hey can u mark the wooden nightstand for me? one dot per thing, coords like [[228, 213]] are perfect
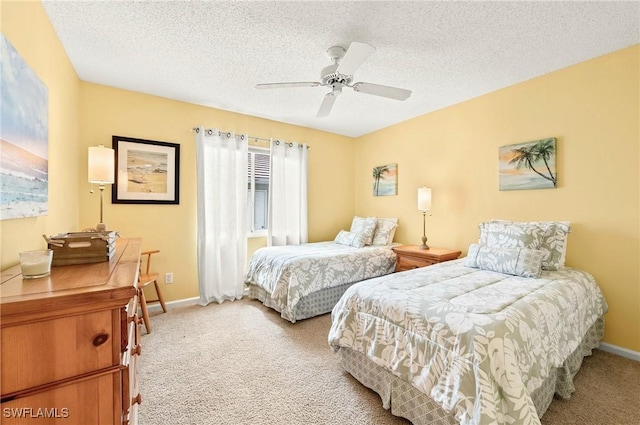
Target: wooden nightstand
[[412, 257]]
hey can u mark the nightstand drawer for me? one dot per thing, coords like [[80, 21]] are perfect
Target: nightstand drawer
[[412, 257], [408, 263]]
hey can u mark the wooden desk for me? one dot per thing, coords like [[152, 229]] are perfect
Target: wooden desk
[[70, 343], [412, 257]]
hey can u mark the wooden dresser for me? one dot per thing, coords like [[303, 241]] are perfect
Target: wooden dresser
[[412, 257], [70, 343]]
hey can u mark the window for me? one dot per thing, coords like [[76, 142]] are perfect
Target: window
[[258, 191]]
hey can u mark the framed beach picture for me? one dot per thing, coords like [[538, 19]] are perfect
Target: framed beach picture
[[530, 165], [24, 138], [147, 172], [385, 180]]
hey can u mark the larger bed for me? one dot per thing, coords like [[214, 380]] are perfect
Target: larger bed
[[458, 342]]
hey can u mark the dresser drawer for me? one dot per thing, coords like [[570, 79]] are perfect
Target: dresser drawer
[[44, 352], [68, 404]]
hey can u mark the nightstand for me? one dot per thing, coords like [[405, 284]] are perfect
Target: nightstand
[[412, 257]]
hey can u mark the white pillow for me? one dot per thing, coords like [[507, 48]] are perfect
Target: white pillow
[[366, 226], [350, 238], [385, 231]]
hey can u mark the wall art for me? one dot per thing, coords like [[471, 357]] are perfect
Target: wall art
[[530, 165]]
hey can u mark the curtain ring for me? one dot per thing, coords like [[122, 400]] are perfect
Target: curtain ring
[[277, 142], [242, 137], [197, 129], [209, 132], [228, 135], [290, 144]]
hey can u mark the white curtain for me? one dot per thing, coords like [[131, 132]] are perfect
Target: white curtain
[[221, 167], [287, 194]]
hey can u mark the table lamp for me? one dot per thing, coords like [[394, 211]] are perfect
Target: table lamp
[[101, 171], [424, 205]]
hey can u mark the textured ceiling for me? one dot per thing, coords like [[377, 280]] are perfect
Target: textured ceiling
[[214, 53]]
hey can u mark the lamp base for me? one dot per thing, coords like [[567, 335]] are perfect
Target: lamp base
[[424, 243]]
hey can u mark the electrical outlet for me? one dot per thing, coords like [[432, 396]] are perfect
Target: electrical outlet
[[168, 278]]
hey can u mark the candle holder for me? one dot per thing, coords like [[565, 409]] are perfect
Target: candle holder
[[35, 264]]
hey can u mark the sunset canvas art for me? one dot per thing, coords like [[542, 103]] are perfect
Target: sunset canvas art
[[385, 180], [530, 165]]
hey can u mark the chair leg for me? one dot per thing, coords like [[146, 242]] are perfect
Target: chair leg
[[145, 312], [160, 298]]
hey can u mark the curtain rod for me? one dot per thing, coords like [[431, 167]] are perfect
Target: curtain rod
[[210, 132]]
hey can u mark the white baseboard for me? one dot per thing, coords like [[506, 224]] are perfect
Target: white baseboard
[[173, 304], [621, 351]]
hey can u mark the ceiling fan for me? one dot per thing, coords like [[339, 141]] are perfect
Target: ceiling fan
[[340, 74]]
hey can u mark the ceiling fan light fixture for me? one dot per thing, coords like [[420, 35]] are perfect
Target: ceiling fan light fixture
[[335, 53], [340, 74]]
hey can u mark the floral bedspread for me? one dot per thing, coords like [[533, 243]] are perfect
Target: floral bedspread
[[290, 272], [477, 342]]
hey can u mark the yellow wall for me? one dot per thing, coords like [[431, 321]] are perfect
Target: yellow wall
[[592, 109], [27, 27], [172, 229]]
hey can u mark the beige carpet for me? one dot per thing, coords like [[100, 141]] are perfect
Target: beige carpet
[[240, 363]]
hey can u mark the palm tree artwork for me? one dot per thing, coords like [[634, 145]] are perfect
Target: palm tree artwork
[[385, 180], [530, 165]]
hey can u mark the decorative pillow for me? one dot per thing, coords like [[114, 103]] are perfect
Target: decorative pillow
[[385, 231], [523, 262], [500, 234], [553, 241], [350, 238], [367, 226]]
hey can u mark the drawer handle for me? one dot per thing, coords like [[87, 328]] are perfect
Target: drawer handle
[[137, 399], [100, 339], [137, 350]]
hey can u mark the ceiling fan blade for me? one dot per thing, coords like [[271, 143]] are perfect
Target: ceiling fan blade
[[354, 57], [327, 104], [384, 91], [288, 85]]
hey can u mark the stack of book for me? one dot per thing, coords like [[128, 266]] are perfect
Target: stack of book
[[82, 247]]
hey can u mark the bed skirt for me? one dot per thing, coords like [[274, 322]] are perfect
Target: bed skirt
[[406, 401], [314, 304]]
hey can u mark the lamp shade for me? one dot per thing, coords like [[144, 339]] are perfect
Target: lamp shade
[[424, 199], [101, 165]]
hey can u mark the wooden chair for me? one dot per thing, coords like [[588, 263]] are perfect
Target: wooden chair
[[145, 279]]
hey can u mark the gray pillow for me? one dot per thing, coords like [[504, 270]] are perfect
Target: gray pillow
[[523, 262], [385, 230], [350, 238], [547, 236], [366, 226]]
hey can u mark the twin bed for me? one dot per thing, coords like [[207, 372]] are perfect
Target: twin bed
[[487, 339], [302, 281]]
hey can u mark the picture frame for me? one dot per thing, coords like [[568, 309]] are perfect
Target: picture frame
[[146, 171], [529, 165], [385, 180]]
